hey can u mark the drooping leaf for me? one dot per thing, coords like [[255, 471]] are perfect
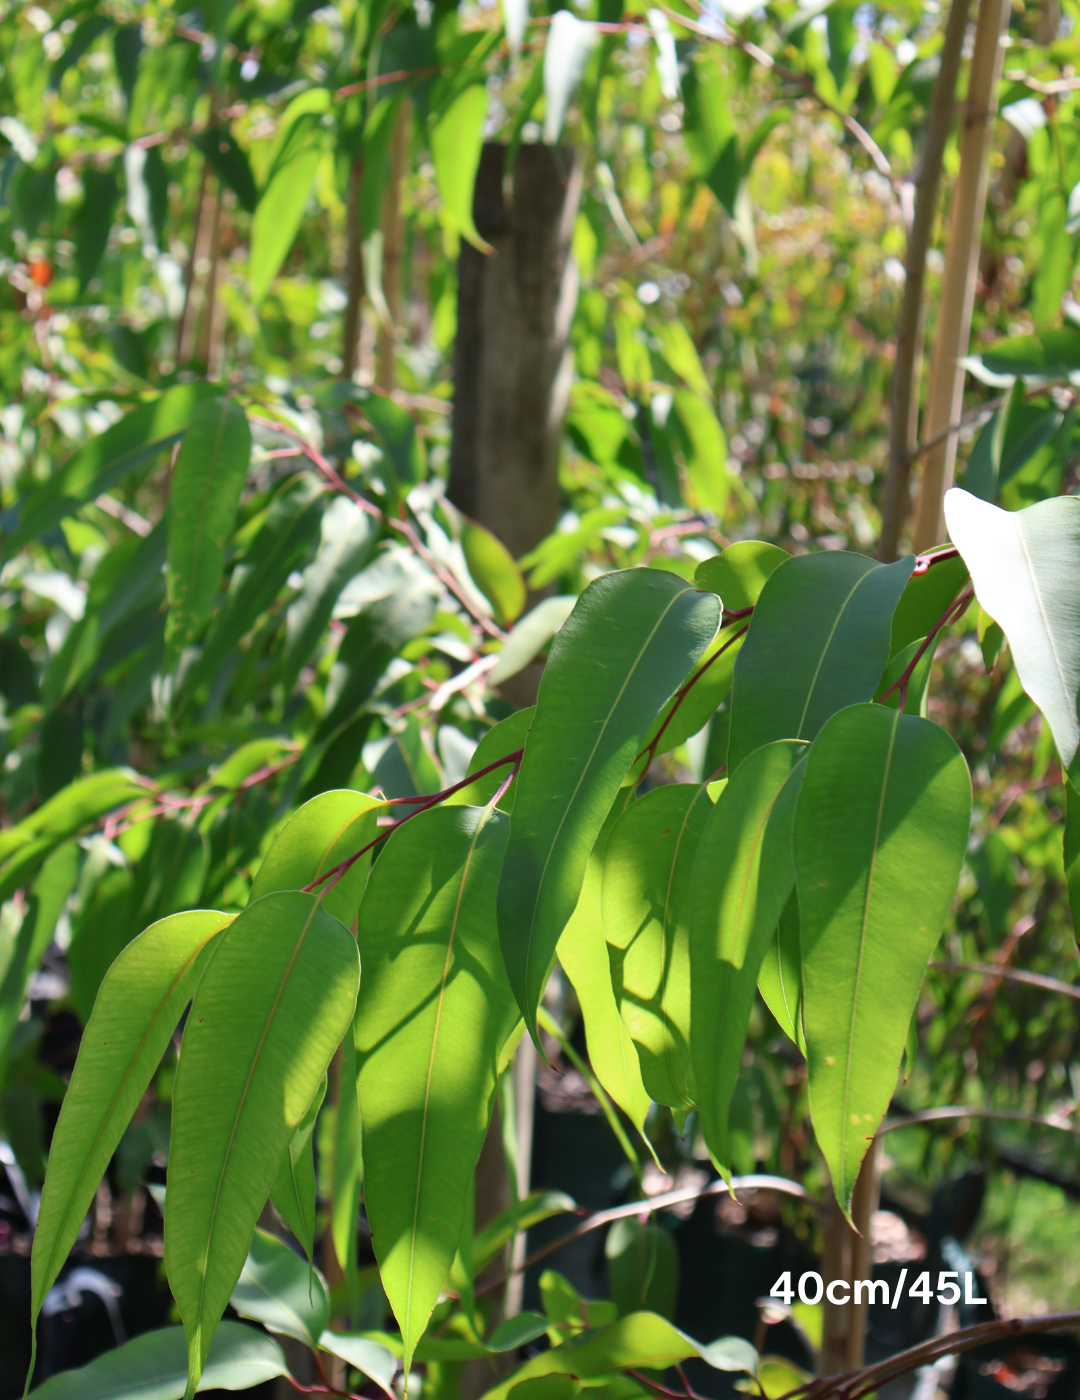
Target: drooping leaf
[[583, 954], [294, 1190], [105, 460], [646, 907], [1024, 566], [818, 640], [494, 571], [302, 139], [456, 142], [881, 827], [433, 1015], [140, 1001], [229, 164], [632, 637], [643, 1267], [209, 475], [367, 1355], [709, 479], [566, 52], [348, 537], [268, 1013], [153, 1366], [282, 1291], [780, 977], [742, 877]]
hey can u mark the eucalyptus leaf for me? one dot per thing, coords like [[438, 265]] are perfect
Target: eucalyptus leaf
[[886, 797], [294, 1193], [267, 1015], [282, 1291], [632, 638]]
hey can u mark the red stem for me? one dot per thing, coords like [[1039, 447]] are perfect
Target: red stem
[[335, 872], [951, 613], [681, 694], [924, 561]]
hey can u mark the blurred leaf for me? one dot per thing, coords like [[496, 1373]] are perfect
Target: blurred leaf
[[302, 139], [710, 481], [494, 572], [643, 1267], [529, 636], [1053, 352], [456, 142], [93, 220], [47, 896], [229, 164], [209, 475], [570, 41]]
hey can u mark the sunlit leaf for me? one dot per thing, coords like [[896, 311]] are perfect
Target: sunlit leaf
[[456, 143]]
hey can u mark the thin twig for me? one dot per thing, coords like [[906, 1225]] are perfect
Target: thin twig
[[684, 691], [951, 613], [1010, 974], [1003, 1115]]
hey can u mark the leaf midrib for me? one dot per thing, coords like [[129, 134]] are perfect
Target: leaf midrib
[[846, 1098], [316, 905], [1042, 616], [530, 940]]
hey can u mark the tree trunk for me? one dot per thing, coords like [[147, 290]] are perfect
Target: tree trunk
[[512, 360], [961, 268]]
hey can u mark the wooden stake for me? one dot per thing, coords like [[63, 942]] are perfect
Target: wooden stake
[[904, 422], [354, 274], [961, 268], [393, 231]]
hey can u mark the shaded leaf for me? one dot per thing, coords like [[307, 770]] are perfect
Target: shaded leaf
[[282, 1291], [780, 977], [47, 897], [153, 1366], [209, 475], [294, 1190], [504, 738]]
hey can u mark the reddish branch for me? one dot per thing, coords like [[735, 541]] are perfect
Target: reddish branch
[[955, 609], [423, 804], [684, 691]]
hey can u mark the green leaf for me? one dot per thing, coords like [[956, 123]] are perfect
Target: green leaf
[[102, 463], [279, 548], [456, 142], [517, 1332], [302, 139], [541, 1205], [82, 801], [494, 571], [642, 1340], [348, 537], [818, 640], [271, 1008], [153, 1366], [643, 1267], [139, 1004], [529, 636], [646, 916], [93, 221], [47, 896], [1024, 566], [504, 738], [680, 352], [433, 1015], [1072, 854], [282, 1291], [294, 1190], [780, 978], [347, 1166], [396, 431], [742, 877], [631, 639], [207, 481], [918, 684], [229, 164], [1053, 353], [881, 827], [710, 480], [740, 572], [924, 599], [373, 1360], [583, 955]]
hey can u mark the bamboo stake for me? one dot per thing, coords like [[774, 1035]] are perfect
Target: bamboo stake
[[904, 423], [206, 341], [961, 267]]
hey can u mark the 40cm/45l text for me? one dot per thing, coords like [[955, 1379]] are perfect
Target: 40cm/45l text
[[812, 1288]]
